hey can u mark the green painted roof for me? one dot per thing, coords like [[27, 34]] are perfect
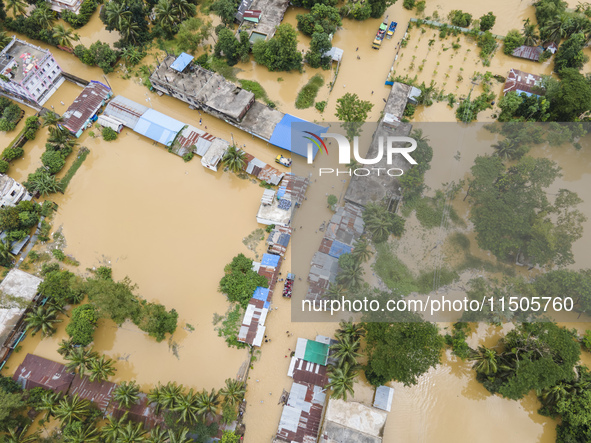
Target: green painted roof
[[316, 352]]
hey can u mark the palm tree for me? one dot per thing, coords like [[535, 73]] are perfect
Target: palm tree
[[129, 30], [57, 136], [354, 330], [505, 149], [110, 432], [346, 350], [64, 36], [555, 29], [234, 159], [179, 437], [155, 396], [42, 319], [115, 14], [336, 292], [79, 360], [341, 381], [131, 433], [157, 435], [170, 394], [351, 276], [378, 225], [185, 9], [16, 436], [530, 36], [72, 409], [6, 255], [361, 251], [233, 392], [485, 361], [49, 402], [80, 434], [100, 369], [167, 15], [208, 403], [65, 348], [43, 183], [551, 396], [131, 55], [417, 134], [18, 7], [127, 394], [51, 118], [4, 40], [43, 16], [187, 406]]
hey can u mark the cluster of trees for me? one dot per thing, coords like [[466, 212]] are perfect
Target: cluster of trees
[[85, 361], [13, 402], [412, 181], [38, 25], [170, 13], [76, 21], [10, 114], [15, 150], [192, 32], [240, 281], [280, 53], [319, 23], [99, 54], [226, 10], [460, 18], [513, 216], [129, 17], [16, 222], [353, 112], [343, 374], [359, 10], [233, 49], [555, 22], [380, 223]]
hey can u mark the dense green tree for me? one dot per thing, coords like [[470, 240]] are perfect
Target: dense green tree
[[227, 45], [524, 108], [114, 300], [192, 33], [327, 17], [460, 18], [280, 53], [100, 369], [570, 53], [561, 283], [487, 21], [319, 45], [154, 319], [61, 287], [353, 112], [570, 97], [512, 41], [233, 393], [11, 404], [83, 324], [378, 7], [240, 281], [225, 9], [401, 351]]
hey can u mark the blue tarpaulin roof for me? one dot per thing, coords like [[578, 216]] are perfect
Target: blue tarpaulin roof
[[337, 249], [158, 127], [281, 192], [289, 135], [261, 293], [181, 62], [270, 260]]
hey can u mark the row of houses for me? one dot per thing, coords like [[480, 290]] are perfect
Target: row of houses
[[206, 90], [38, 372]]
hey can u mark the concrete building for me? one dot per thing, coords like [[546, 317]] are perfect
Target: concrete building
[[352, 422], [28, 73], [12, 192], [83, 111], [271, 16], [277, 209], [17, 290], [201, 89], [523, 82], [65, 5]]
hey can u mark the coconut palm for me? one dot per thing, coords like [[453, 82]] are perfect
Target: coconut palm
[[335, 292], [552, 395], [57, 136], [486, 361], [187, 406], [167, 16], [131, 55], [378, 225], [110, 432], [132, 433], [66, 347], [208, 403], [129, 30], [185, 9], [6, 255], [361, 251], [354, 330], [43, 16], [49, 403], [42, 318], [157, 435], [346, 350], [127, 394], [556, 28], [100, 369], [4, 40], [351, 276], [234, 159], [19, 436], [115, 14], [341, 381], [179, 437], [79, 360], [72, 409], [170, 394], [530, 36], [18, 7], [233, 392], [43, 183], [506, 149], [51, 118], [155, 396], [83, 434], [64, 36]]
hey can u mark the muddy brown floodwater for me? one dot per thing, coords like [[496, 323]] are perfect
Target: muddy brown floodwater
[[172, 226]]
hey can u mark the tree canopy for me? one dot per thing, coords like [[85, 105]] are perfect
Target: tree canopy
[[240, 281], [280, 53]]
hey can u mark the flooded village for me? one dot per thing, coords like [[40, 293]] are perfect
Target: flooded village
[[188, 349]]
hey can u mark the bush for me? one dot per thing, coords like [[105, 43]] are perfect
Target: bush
[[78, 20], [408, 4], [83, 324], [46, 268], [109, 134], [155, 320], [240, 281], [188, 156], [59, 254], [487, 21], [53, 161], [487, 44], [3, 166], [308, 93], [10, 154], [320, 105], [460, 18], [513, 40]]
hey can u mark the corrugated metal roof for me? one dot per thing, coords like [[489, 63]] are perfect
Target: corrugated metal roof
[[158, 127], [181, 62], [38, 372], [289, 135], [383, 398], [99, 393], [337, 249], [529, 52], [125, 110], [87, 104]]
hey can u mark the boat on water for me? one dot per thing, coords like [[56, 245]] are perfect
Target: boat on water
[[288, 285], [391, 30], [377, 42]]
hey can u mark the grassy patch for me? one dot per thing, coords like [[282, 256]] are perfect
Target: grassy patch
[[308, 93], [393, 272], [228, 326], [256, 88], [65, 181], [426, 280], [430, 211], [459, 241], [220, 66]]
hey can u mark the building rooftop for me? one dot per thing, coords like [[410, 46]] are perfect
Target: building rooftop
[[18, 58], [158, 127], [85, 106], [38, 372], [383, 398], [301, 416], [99, 393], [528, 52], [352, 422], [525, 82], [397, 100], [125, 110], [215, 153], [22, 287], [312, 351], [271, 15]]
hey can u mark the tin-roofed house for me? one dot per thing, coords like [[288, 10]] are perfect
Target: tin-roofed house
[[83, 111], [523, 83], [302, 414], [99, 393], [38, 372], [143, 412], [20, 290], [352, 422]]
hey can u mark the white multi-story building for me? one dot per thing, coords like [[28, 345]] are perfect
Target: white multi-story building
[[29, 73], [12, 192], [62, 5]]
